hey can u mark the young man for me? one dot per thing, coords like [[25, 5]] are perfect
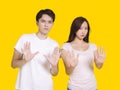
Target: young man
[[37, 55]]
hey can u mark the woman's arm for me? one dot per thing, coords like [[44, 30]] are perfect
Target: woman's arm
[[70, 61], [99, 55]]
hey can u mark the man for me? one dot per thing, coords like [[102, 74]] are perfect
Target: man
[[37, 55]]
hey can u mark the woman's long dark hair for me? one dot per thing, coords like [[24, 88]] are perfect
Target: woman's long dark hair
[[76, 24]]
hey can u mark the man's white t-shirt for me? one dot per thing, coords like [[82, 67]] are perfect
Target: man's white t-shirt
[[35, 74]]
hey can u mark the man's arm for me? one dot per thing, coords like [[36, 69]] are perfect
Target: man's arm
[[17, 60], [54, 69]]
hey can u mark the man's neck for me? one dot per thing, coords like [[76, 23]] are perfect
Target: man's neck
[[41, 36]]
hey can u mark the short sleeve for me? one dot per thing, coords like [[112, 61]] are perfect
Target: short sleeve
[[53, 46], [19, 44], [56, 45], [93, 47], [66, 46]]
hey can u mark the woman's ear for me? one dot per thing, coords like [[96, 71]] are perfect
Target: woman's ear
[[37, 23]]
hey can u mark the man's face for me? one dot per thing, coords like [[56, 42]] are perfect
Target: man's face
[[45, 24]]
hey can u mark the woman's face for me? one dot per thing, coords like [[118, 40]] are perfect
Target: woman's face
[[82, 32]]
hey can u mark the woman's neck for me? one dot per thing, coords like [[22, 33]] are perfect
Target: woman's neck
[[80, 45], [78, 41]]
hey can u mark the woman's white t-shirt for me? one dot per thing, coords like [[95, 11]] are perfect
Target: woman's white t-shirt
[[82, 77], [35, 75]]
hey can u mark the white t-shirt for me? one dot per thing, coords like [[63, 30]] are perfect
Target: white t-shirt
[[82, 77], [35, 75]]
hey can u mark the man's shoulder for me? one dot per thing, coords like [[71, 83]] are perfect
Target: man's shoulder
[[27, 35], [52, 41]]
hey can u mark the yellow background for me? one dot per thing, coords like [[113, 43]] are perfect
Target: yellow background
[[18, 17]]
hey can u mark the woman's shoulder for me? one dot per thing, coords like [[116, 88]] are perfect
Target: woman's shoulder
[[93, 46], [66, 45]]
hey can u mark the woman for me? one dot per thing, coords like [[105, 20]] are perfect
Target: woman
[[78, 56]]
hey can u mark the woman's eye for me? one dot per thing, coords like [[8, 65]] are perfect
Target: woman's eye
[[42, 20]]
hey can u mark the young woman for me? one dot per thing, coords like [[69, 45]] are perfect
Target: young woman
[[79, 55]]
